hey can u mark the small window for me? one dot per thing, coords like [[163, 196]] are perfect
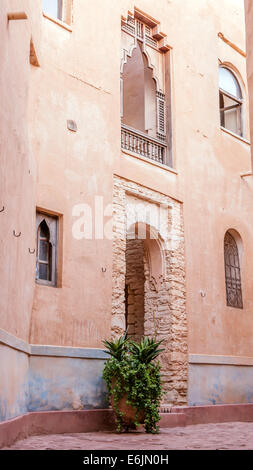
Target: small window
[[230, 101], [232, 272], [46, 256], [53, 8]]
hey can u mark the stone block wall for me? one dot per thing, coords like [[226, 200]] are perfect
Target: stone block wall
[[155, 280], [135, 288]]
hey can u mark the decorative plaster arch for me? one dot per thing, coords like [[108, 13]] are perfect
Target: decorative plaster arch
[[128, 54], [237, 74], [153, 68]]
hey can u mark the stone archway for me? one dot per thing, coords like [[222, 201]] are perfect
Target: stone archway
[[152, 267]]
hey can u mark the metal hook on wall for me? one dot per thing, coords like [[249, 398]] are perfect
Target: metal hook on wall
[[15, 235], [31, 251], [2, 209], [103, 270]]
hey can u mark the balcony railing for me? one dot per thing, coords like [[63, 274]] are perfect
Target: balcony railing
[[142, 144]]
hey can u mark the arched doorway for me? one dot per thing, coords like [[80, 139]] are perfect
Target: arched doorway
[[144, 282], [149, 278]]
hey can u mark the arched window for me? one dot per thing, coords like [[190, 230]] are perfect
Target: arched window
[[232, 272], [44, 252], [139, 94], [230, 101], [46, 249], [145, 111]]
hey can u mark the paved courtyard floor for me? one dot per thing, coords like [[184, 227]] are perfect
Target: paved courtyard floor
[[202, 436]]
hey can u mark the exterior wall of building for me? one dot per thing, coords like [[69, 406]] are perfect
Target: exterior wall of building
[[225, 380], [75, 168], [73, 174], [249, 42], [14, 382], [164, 301], [42, 378], [67, 383], [17, 175]]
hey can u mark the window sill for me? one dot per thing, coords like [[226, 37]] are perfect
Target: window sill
[[235, 135], [58, 22], [45, 283], [152, 162]]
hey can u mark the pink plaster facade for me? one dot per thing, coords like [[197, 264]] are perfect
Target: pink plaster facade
[[76, 76], [249, 40]]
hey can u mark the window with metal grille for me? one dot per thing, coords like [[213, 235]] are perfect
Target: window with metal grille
[[230, 101], [232, 272], [46, 249]]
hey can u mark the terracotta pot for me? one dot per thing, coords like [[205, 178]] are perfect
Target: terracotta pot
[[129, 412]]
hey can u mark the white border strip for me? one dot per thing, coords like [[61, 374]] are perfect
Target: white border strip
[[14, 342], [54, 351], [220, 360]]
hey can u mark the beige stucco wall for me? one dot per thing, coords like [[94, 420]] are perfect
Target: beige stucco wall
[[17, 173], [79, 79], [249, 42], [209, 163]]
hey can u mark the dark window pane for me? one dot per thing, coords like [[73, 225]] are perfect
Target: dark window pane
[[44, 245], [44, 230], [43, 272]]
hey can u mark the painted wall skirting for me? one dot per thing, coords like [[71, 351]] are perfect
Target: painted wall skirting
[[45, 378], [48, 377], [48, 350], [222, 360]]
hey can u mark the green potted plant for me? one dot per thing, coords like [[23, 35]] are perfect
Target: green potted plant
[[133, 380]]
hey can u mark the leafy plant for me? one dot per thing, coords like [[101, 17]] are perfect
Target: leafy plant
[[146, 351], [132, 373], [117, 348]]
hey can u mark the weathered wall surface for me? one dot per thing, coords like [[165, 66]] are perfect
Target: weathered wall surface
[[212, 384], [14, 386], [249, 49], [62, 383], [47, 378], [17, 170], [209, 162], [44, 164], [78, 82], [160, 302]]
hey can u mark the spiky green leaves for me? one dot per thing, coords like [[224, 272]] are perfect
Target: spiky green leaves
[[117, 348], [146, 351]]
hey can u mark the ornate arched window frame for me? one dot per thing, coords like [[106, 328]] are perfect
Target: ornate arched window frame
[[140, 29], [50, 243], [232, 261]]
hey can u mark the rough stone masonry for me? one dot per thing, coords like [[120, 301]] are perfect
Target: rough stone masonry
[[147, 297]]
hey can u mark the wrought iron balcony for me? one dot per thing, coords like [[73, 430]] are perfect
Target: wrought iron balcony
[[142, 144]]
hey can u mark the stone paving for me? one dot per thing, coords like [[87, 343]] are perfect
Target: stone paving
[[202, 436]]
